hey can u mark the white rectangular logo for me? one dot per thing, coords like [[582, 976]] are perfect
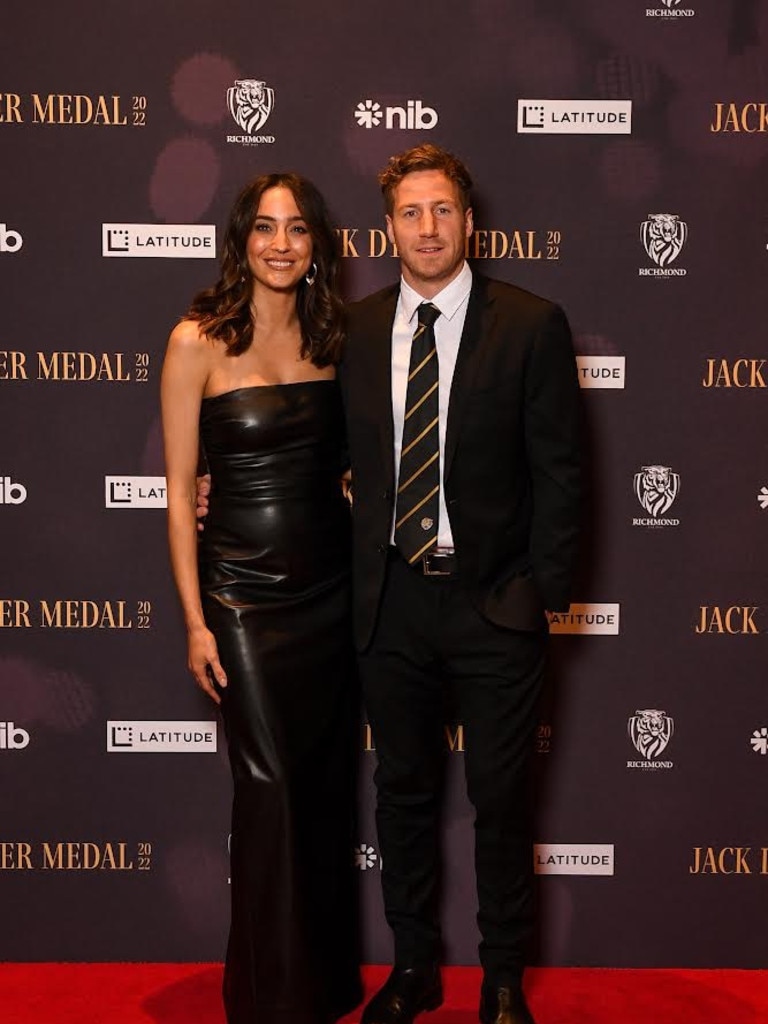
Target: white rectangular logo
[[597, 619], [601, 371], [574, 117], [135, 492], [161, 737], [572, 859], [172, 241]]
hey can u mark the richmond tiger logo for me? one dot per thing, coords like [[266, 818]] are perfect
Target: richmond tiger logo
[[656, 488], [663, 236], [250, 103], [650, 731]]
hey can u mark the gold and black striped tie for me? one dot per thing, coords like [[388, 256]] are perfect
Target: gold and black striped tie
[[418, 490]]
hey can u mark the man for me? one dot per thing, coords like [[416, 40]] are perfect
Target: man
[[462, 401]]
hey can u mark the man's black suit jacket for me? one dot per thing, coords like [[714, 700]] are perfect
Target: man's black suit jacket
[[512, 453]]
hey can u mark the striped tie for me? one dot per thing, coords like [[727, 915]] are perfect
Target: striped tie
[[418, 488]]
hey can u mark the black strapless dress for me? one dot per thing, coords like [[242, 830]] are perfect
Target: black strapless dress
[[275, 581]]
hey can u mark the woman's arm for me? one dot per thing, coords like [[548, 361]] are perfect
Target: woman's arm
[[185, 372]]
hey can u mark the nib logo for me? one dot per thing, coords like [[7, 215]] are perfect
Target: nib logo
[[365, 857], [759, 741], [370, 114], [762, 497]]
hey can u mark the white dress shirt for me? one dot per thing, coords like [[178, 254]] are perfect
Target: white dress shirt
[[452, 302]]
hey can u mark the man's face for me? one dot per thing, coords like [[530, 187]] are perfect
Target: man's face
[[430, 229]]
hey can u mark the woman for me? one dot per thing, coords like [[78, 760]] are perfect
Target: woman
[[250, 374]]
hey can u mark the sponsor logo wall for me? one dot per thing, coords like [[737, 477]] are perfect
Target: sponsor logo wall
[[612, 176]]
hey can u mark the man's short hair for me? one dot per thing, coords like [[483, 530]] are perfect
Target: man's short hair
[[424, 158]]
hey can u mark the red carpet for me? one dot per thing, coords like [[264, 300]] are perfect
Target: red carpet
[[189, 994]]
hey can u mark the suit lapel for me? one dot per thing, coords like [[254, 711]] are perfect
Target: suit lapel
[[380, 340], [477, 325]]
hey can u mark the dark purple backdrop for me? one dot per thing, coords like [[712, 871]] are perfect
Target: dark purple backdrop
[[158, 822]]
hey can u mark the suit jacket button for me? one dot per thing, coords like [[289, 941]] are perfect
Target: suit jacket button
[[387, 495], [382, 549]]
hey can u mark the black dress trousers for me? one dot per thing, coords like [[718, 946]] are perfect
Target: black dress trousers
[[430, 636]]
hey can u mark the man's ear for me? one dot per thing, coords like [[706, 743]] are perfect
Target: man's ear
[[390, 232]]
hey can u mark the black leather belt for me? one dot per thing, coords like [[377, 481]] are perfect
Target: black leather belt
[[438, 563], [434, 563]]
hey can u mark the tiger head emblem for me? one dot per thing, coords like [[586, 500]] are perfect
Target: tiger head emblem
[[250, 103], [663, 236], [650, 731], [656, 487]]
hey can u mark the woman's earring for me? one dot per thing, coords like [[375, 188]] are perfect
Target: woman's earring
[[311, 280]]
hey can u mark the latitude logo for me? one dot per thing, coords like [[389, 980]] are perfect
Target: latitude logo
[[650, 731], [250, 102], [370, 114], [656, 488]]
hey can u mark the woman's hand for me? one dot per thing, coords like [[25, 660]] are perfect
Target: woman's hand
[[346, 486], [203, 661], [203, 490]]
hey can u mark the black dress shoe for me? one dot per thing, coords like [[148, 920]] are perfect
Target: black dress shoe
[[504, 1005], [406, 992]]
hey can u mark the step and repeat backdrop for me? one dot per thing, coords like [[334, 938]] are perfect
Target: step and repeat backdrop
[[619, 152]]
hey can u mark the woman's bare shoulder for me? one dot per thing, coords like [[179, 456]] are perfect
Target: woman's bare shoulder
[[187, 336]]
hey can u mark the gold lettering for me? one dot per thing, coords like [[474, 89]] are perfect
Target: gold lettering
[[87, 366], [455, 738], [742, 373], [85, 615], [53, 859], [745, 117], [65, 108], [481, 239], [51, 617], [14, 614], [368, 744], [47, 371], [742, 868], [83, 110], [15, 857], [18, 369], [9, 107], [378, 243], [499, 245], [737, 619], [736, 376], [348, 248], [42, 114], [117, 117], [109, 372], [729, 860], [91, 856]]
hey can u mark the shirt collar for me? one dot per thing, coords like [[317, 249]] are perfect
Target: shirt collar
[[448, 301]]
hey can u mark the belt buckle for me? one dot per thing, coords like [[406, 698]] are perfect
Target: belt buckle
[[431, 556]]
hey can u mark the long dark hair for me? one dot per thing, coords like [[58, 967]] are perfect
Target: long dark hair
[[224, 312]]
